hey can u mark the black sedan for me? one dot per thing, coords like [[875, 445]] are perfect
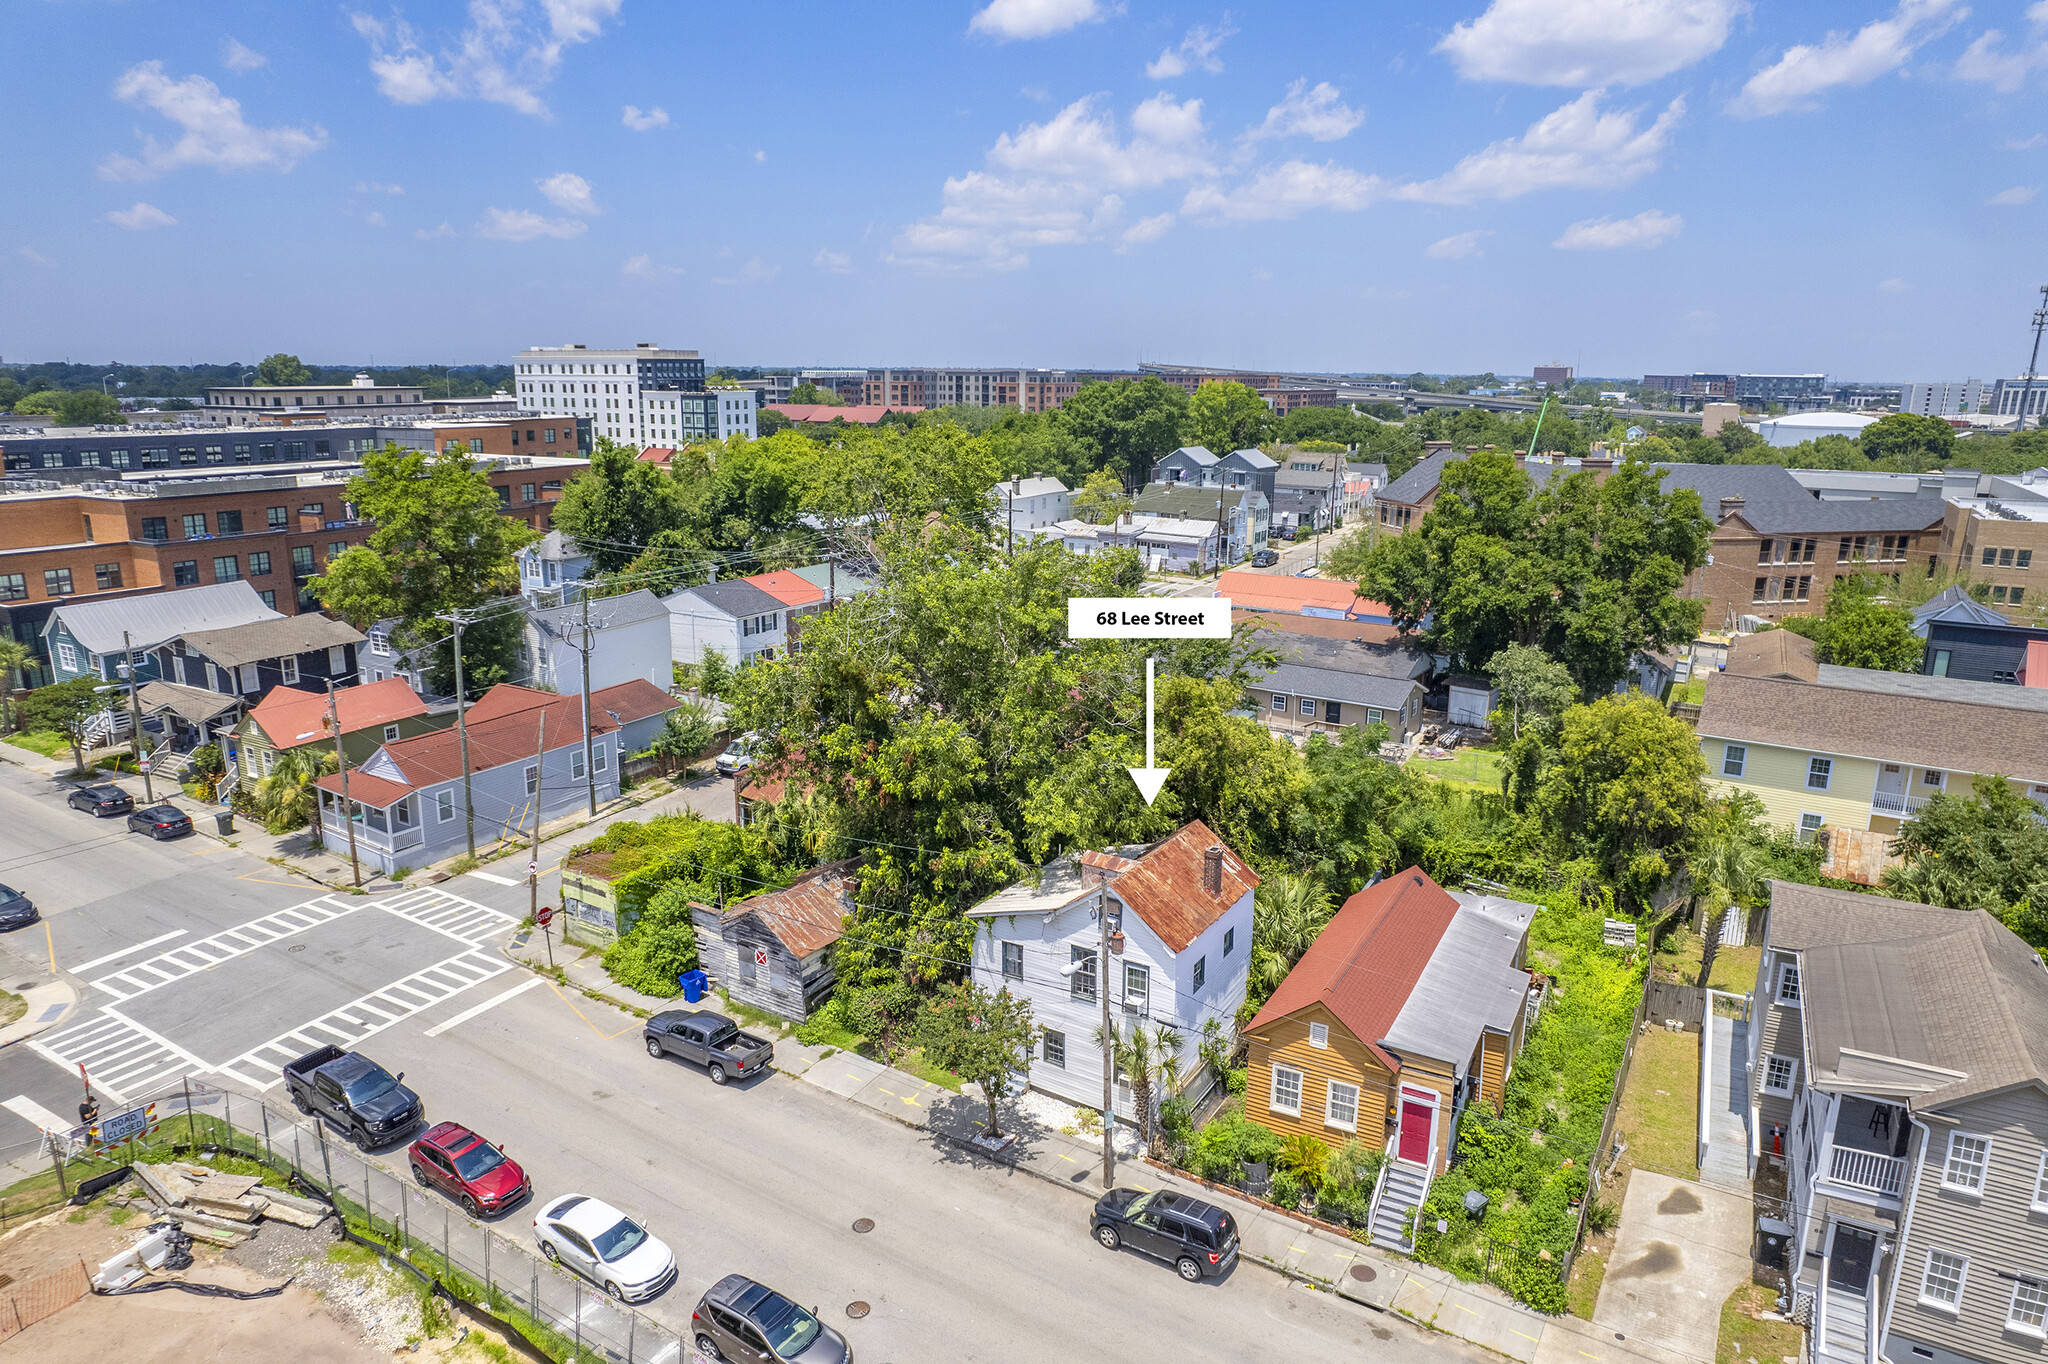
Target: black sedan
[[101, 800], [160, 822], [1198, 1239], [16, 909]]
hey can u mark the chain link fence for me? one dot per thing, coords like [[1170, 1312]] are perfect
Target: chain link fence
[[560, 1315]]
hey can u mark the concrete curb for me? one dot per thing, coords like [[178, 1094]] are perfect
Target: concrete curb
[[49, 1004]]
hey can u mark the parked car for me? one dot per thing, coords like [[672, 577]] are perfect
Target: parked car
[[605, 1246], [450, 1157], [1265, 558], [743, 1320], [16, 909], [160, 822], [101, 800], [738, 755], [712, 1040], [1199, 1239], [367, 1100]]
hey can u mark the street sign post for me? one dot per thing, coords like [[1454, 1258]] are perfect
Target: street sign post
[[544, 916]]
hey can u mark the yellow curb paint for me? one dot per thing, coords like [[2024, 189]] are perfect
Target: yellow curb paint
[[50, 943], [1523, 1334]]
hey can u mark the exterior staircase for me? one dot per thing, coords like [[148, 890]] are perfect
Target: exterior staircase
[[1401, 1191], [1845, 1332]]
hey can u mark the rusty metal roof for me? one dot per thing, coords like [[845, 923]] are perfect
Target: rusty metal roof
[[1165, 886], [806, 916]]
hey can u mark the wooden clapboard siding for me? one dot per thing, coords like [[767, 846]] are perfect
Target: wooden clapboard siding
[[1783, 1034], [1493, 1069], [1423, 1072], [1284, 1041]]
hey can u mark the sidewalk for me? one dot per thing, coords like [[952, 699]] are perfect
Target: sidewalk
[[48, 993]]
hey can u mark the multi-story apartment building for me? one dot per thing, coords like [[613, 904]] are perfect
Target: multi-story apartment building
[[640, 395], [91, 454], [2002, 542], [1754, 390], [2007, 396], [1556, 376], [249, 406], [1898, 1070], [1960, 399], [847, 385]]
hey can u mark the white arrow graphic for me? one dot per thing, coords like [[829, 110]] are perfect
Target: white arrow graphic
[[1148, 777]]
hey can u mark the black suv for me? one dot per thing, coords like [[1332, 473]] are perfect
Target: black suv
[[1265, 558], [1199, 1238], [741, 1319], [101, 800]]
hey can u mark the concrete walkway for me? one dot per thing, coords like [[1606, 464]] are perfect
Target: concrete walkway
[[1726, 1164], [1681, 1249]]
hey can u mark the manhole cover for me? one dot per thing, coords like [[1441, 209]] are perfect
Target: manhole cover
[[296, 947], [1619, 1336], [856, 1310], [1364, 1273], [864, 1224]]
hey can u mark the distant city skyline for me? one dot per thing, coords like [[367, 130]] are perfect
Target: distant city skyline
[[1624, 186]]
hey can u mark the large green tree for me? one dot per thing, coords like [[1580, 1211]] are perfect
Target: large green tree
[[440, 546], [89, 407], [1860, 628], [282, 371], [1908, 436], [983, 1036], [1986, 850], [1627, 789], [618, 505], [1225, 416], [1129, 423]]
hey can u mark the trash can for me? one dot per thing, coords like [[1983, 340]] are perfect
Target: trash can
[[693, 983], [223, 822]]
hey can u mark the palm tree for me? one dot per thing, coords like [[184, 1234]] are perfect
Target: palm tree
[[1726, 870], [14, 657], [284, 798], [1288, 911]]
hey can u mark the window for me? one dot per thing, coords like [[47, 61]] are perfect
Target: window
[[335, 549], [2029, 1309], [444, 805], [1137, 989], [1779, 1072], [1819, 772], [56, 582], [155, 528], [259, 564], [1308, 707], [107, 577], [67, 657], [289, 666], [2016, 595], [13, 586], [1941, 1283], [1810, 824], [1763, 551], [195, 525], [1319, 1034], [1991, 555], [227, 568], [532, 779], [1013, 961], [2026, 559], [1229, 940], [302, 561], [1734, 758], [597, 756], [1933, 778], [185, 573], [228, 522], [269, 597], [1055, 1044], [1279, 702], [1788, 983], [1761, 584], [274, 517], [1939, 668], [1201, 971], [1967, 1157], [2041, 1184], [576, 763], [251, 681], [1083, 979], [1374, 716], [1340, 1107], [1286, 1091]]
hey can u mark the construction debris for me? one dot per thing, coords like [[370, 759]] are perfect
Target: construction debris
[[220, 1208]]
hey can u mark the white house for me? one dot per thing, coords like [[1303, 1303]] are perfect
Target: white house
[[1028, 504], [1184, 910], [548, 567], [629, 639], [738, 619]]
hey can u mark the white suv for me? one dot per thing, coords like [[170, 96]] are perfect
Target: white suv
[[738, 755], [605, 1246]]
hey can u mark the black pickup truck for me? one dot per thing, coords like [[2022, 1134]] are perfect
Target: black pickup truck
[[712, 1040], [365, 1099]]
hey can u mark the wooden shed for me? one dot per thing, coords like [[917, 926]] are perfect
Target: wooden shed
[[775, 951]]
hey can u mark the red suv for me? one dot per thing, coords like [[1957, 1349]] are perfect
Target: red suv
[[452, 1157]]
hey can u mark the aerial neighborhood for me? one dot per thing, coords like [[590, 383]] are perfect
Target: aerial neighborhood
[[699, 849]]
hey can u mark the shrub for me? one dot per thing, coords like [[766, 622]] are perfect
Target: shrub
[[1354, 1166], [1176, 1127], [1349, 1205], [1602, 1216], [1302, 1156], [660, 947], [1286, 1190], [1230, 1142], [1234, 1081], [208, 761]]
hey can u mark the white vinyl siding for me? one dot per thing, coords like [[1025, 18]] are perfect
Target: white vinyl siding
[[1941, 1280]]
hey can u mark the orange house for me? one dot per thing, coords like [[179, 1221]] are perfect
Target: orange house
[[1407, 1009]]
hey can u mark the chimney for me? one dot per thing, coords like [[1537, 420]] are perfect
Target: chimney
[[1212, 869], [1731, 505]]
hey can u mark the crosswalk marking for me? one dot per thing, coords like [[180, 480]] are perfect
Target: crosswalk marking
[[122, 1057], [465, 921], [190, 958], [262, 1067]]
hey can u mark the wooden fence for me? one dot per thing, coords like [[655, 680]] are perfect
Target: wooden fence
[[1667, 999]]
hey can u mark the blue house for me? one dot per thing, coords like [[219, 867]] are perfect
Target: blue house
[[548, 569], [85, 638]]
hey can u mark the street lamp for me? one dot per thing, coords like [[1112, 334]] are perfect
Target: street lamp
[[103, 385]]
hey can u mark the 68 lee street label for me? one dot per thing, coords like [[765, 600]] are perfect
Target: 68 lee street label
[[1148, 618]]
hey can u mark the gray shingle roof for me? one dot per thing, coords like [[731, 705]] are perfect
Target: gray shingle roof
[[1948, 733], [1251, 459], [1329, 684], [736, 598], [159, 616], [556, 546], [1774, 501], [1954, 603], [232, 646], [1193, 503], [605, 612], [1343, 655], [1421, 480], [1957, 689]]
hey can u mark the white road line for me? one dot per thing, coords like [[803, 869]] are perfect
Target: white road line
[[116, 956], [22, 1106], [493, 1002], [207, 953], [494, 878], [118, 1053]]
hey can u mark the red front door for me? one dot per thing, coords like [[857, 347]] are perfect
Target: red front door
[[1415, 1134]]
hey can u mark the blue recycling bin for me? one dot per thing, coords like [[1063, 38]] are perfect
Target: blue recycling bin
[[694, 984]]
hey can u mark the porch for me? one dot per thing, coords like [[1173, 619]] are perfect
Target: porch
[[386, 836], [1864, 1149]]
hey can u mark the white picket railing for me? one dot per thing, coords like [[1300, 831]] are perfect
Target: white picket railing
[[1867, 1170]]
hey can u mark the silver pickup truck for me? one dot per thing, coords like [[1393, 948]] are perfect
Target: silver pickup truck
[[712, 1040]]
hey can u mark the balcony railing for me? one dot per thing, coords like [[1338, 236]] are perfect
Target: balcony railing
[[1897, 803], [1868, 1171]]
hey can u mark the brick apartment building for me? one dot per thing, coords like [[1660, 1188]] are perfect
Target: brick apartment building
[[2001, 540]]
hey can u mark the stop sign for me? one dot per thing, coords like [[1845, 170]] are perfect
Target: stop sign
[[546, 916]]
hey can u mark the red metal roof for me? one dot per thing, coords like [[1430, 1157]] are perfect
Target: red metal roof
[[1284, 592], [788, 588], [287, 712], [504, 727], [1165, 886], [658, 454], [1367, 959], [807, 915], [630, 701], [2034, 672], [365, 789]]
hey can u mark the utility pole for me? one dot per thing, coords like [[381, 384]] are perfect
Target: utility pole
[[348, 815], [462, 733], [540, 762], [589, 771], [1108, 1042], [135, 719], [2040, 323]]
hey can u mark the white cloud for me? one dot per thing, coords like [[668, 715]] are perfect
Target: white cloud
[[1033, 18], [1987, 61], [236, 57], [35, 257], [1893, 286], [2027, 144], [755, 271], [1577, 146], [1648, 228], [1318, 114], [1197, 49], [1792, 83], [643, 267], [760, 156], [570, 193], [374, 219], [433, 234], [1588, 42], [2011, 198], [644, 121], [377, 187], [506, 55], [1462, 246], [1285, 191], [523, 225], [141, 218], [833, 262], [213, 130], [1037, 94], [1147, 230]]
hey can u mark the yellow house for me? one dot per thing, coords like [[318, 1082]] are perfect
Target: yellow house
[[1826, 747]]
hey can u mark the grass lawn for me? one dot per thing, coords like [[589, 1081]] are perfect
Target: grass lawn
[[47, 742], [1678, 958], [1691, 693], [1746, 1338], [12, 1006], [1467, 766], [1659, 1114]]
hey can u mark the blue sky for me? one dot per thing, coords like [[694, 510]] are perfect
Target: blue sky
[[1628, 185]]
